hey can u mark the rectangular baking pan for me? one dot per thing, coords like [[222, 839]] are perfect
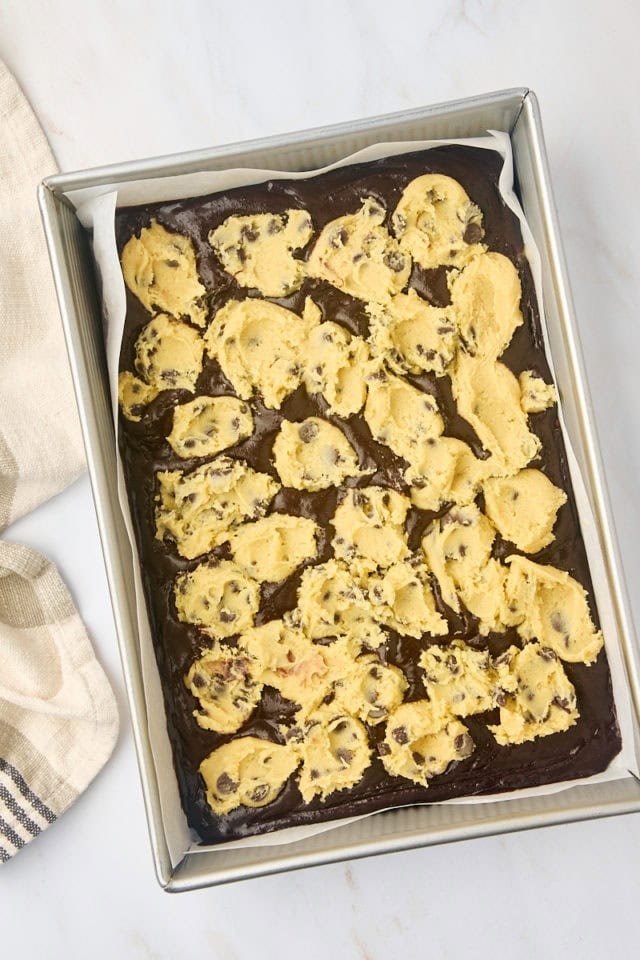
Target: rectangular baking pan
[[515, 111]]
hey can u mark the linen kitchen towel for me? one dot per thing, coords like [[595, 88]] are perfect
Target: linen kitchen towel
[[58, 716]]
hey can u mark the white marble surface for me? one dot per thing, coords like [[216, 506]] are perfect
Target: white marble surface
[[119, 79]]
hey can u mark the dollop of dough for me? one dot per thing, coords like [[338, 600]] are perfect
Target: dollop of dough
[[258, 250], [199, 510], [168, 357], [356, 254], [331, 603], [457, 547], [313, 455], [370, 689], [542, 701], [246, 772], [488, 397], [445, 470], [223, 680], [288, 660], [134, 395], [335, 365], [207, 425], [485, 301], [334, 750], [369, 525], [548, 605], [401, 416], [536, 395], [412, 335], [402, 599], [460, 680], [270, 549], [218, 597], [260, 347], [524, 508], [420, 743], [436, 223], [160, 270]]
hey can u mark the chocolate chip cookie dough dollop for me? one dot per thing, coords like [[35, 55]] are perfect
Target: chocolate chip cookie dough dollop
[[159, 267]]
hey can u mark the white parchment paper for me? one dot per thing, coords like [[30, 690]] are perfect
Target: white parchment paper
[[96, 209]]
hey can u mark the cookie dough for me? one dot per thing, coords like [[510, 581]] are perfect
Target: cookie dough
[[246, 772], [199, 510], [169, 354], [412, 335], [370, 690], [223, 681], [457, 547], [334, 750], [335, 365], [260, 347], [459, 680], [536, 395], [548, 605], [420, 743], [437, 224], [160, 270], [313, 455], [272, 548], [258, 250], [369, 525], [524, 508], [444, 470], [207, 425], [401, 416], [218, 597], [357, 255], [331, 603], [485, 301], [287, 660], [134, 395], [488, 397], [543, 700], [402, 599]]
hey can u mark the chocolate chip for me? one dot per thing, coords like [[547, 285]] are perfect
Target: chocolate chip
[[563, 703], [308, 431], [452, 664], [395, 261], [249, 234], [172, 263], [224, 784], [547, 654], [259, 793], [342, 753], [417, 758], [189, 444], [199, 681], [464, 745], [399, 223], [274, 226], [314, 774], [557, 622], [400, 735], [226, 616], [384, 749], [501, 698], [339, 238], [376, 713], [136, 410], [473, 233]]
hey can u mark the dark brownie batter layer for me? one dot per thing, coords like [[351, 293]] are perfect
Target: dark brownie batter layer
[[584, 749]]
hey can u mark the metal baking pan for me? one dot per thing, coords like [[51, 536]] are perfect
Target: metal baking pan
[[515, 111]]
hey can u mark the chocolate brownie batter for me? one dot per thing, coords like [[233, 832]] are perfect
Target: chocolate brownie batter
[[577, 733]]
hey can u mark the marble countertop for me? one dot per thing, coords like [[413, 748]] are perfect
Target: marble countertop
[[112, 80]]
